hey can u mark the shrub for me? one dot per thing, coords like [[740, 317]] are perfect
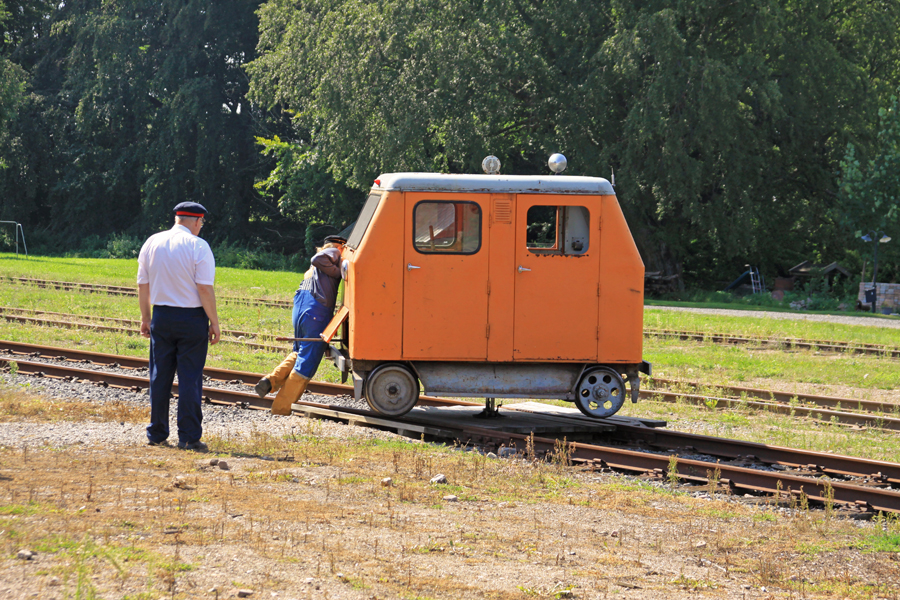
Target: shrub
[[124, 246], [241, 257]]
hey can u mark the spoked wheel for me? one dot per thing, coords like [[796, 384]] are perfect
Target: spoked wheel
[[392, 390], [601, 393]]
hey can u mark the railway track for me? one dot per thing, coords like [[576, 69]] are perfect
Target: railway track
[[801, 405], [799, 343], [123, 326], [118, 290], [790, 408], [741, 467], [718, 338], [741, 392]]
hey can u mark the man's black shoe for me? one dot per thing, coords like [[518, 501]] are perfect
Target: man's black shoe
[[159, 443], [263, 387], [199, 446]]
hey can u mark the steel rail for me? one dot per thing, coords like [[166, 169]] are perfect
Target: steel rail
[[131, 322], [787, 397], [4, 310], [836, 465], [737, 478], [859, 419], [118, 290], [95, 327], [136, 362], [828, 346], [878, 422]]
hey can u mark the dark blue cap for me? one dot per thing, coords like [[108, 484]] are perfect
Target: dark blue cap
[[190, 209]]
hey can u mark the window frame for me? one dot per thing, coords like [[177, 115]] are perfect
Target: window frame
[[454, 202], [364, 220], [559, 249]]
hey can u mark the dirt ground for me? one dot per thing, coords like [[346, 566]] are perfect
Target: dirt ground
[[343, 516]]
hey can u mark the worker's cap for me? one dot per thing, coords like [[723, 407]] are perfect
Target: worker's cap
[[190, 209], [335, 239]]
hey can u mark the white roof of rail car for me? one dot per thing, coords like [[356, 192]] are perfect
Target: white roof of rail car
[[523, 184]]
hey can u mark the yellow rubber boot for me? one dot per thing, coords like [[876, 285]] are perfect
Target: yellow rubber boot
[[290, 392], [274, 380]]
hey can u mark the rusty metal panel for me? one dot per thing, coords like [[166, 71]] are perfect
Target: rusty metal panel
[[503, 380]]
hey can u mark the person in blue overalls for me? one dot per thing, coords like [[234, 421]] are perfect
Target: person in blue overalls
[[313, 308]]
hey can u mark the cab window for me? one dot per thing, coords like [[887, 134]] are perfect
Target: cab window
[[362, 223], [562, 230], [446, 227]]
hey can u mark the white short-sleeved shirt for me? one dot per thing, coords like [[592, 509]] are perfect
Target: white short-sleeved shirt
[[173, 262]]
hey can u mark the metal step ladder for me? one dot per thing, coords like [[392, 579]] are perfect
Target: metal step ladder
[[756, 281]]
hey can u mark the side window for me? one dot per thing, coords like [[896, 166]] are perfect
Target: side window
[[444, 227], [563, 230], [362, 222]]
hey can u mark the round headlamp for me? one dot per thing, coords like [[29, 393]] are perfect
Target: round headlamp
[[345, 268]]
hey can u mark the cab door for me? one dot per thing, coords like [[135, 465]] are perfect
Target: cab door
[[445, 278], [557, 274]]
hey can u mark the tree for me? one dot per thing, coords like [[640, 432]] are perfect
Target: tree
[[12, 83], [724, 122], [136, 106], [870, 188]]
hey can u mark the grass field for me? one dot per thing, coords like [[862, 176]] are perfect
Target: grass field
[[277, 285]]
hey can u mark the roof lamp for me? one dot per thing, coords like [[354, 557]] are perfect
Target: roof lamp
[[557, 163], [491, 165]]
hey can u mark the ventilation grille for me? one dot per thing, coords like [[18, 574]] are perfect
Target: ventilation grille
[[502, 211]]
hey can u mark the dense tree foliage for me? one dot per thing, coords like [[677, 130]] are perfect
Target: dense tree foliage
[[724, 122], [870, 189], [136, 106], [746, 131], [12, 78]]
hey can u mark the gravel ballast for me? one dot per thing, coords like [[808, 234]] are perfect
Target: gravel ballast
[[228, 422]]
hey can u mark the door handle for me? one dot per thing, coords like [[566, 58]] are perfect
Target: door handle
[[410, 267], [523, 269]]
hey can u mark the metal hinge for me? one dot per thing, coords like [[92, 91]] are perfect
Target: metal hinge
[[488, 287], [600, 222], [598, 332], [598, 290], [487, 330]]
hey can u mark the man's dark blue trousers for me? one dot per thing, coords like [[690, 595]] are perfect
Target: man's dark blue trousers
[[179, 338]]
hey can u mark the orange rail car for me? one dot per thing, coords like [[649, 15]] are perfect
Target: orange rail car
[[491, 286]]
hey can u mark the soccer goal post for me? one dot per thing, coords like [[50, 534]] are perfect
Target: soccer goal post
[[19, 231]]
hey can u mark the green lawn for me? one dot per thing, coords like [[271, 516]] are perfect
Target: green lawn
[[278, 285]]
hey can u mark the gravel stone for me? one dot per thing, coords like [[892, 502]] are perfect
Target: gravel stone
[[228, 422]]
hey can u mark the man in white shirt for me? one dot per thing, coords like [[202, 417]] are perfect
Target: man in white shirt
[[176, 275]]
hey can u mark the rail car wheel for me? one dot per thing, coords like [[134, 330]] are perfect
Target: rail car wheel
[[601, 393], [392, 390]]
